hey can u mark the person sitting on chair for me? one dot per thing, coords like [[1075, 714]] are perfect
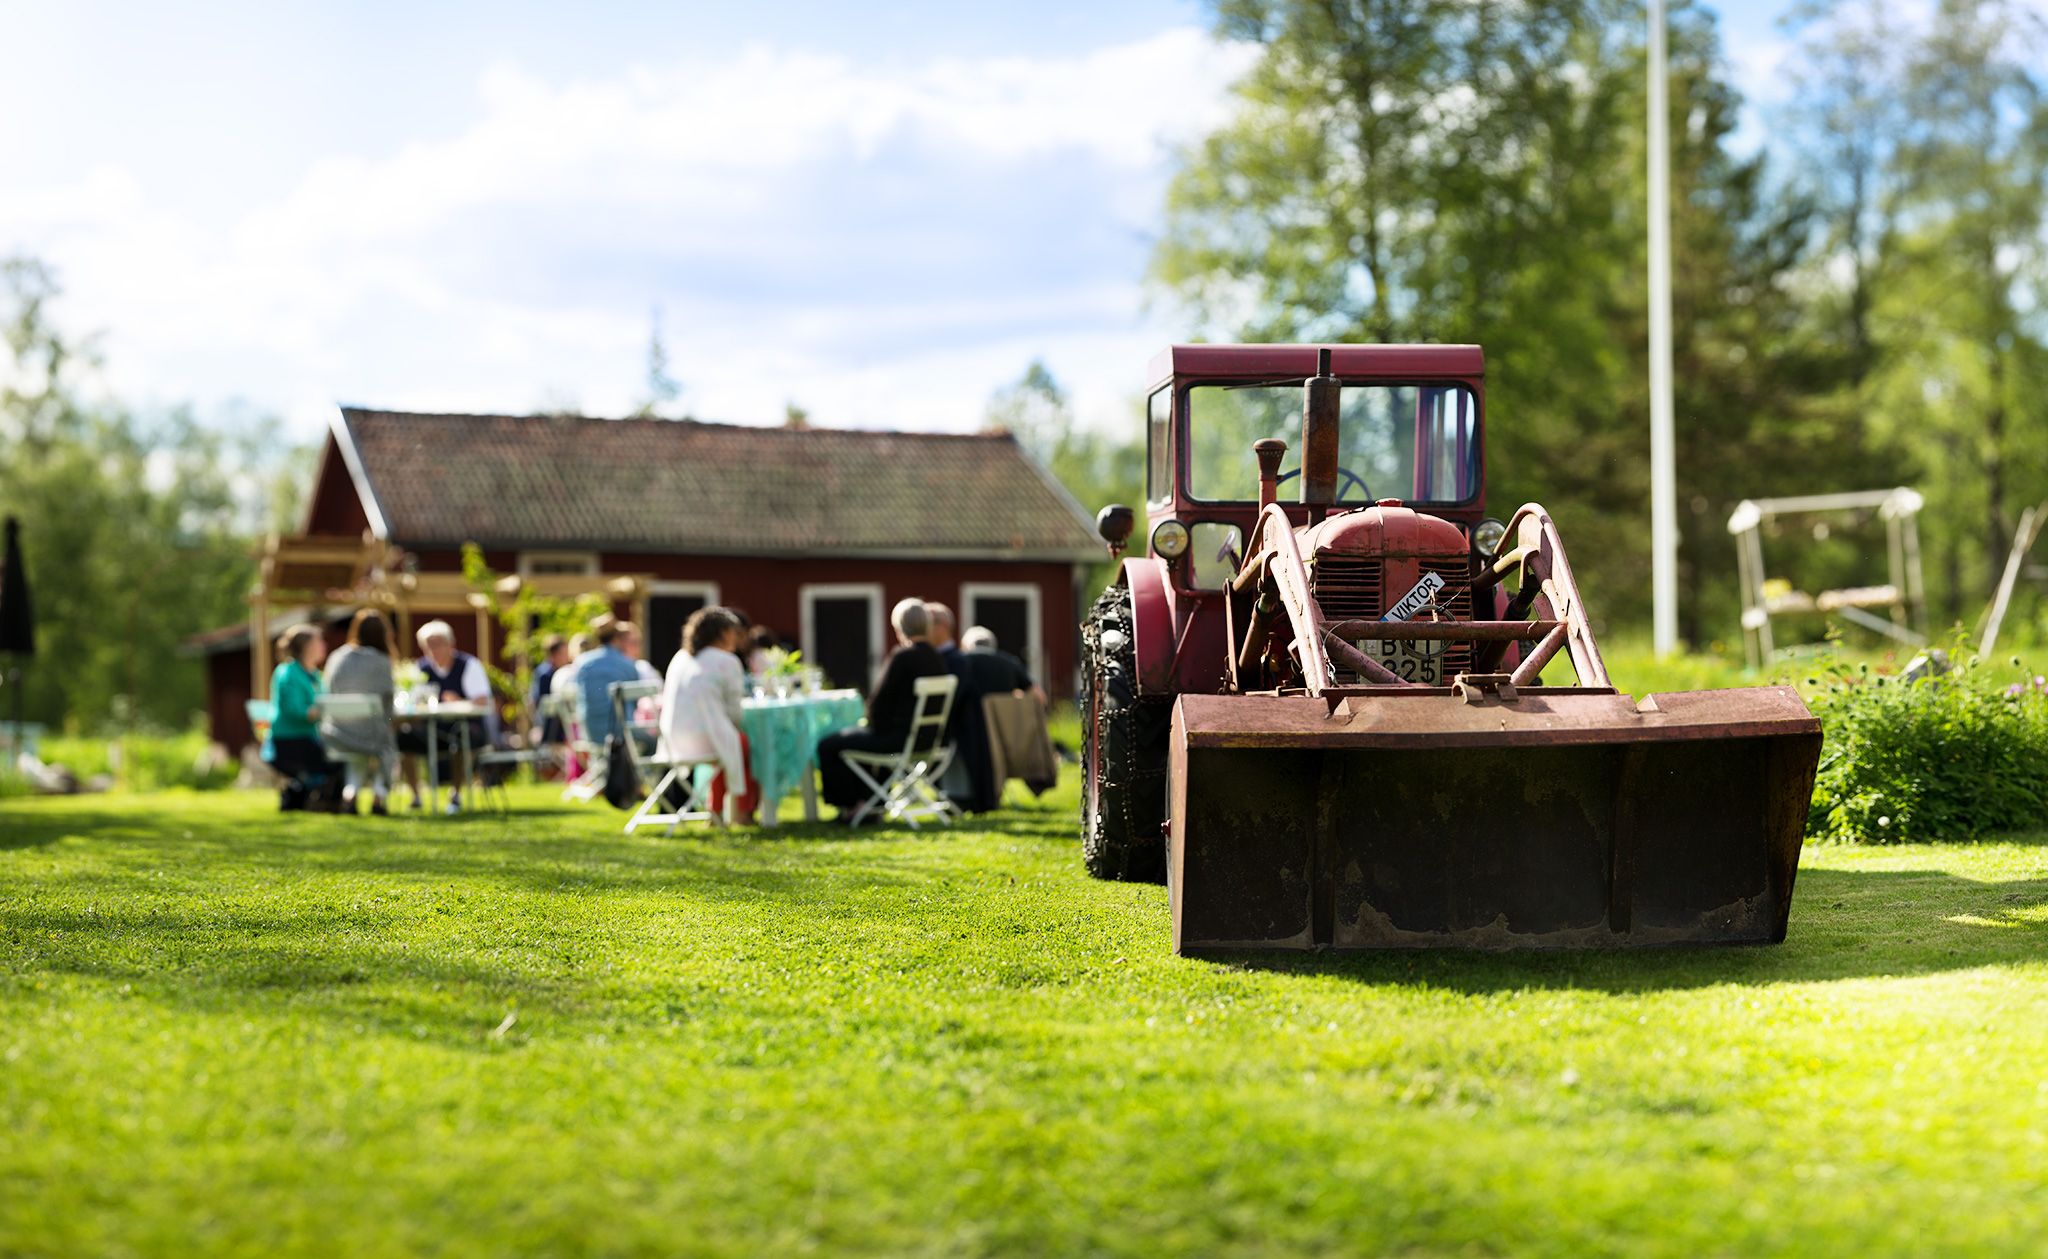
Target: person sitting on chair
[[453, 675], [970, 780], [629, 645], [556, 656], [891, 709], [364, 743], [293, 748], [563, 680], [700, 706], [994, 671], [596, 670], [761, 641]]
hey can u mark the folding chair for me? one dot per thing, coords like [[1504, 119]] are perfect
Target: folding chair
[[508, 759], [352, 707], [911, 789], [589, 784], [626, 697]]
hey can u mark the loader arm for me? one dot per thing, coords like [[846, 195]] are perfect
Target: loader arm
[[1553, 617]]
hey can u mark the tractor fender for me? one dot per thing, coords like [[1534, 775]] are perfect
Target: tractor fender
[[1151, 624]]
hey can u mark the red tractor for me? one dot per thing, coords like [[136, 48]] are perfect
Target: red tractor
[[1324, 722]]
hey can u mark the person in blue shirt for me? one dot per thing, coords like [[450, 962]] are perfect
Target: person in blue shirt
[[596, 670]]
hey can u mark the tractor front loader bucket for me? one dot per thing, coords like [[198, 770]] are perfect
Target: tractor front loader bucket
[[1420, 819], [1493, 813]]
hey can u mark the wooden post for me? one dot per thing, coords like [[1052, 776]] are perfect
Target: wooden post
[[482, 604], [259, 643]]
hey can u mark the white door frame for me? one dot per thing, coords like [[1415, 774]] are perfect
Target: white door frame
[[1034, 634], [588, 563], [707, 589], [807, 596]]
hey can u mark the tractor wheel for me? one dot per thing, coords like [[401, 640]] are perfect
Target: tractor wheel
[[1123, 789]]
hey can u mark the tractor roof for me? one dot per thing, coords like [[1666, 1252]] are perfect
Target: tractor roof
[[1396, 361]]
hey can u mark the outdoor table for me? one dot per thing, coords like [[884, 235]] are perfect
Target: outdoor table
[[782, 736], [433, 712]]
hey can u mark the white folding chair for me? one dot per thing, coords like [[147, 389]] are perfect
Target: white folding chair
[[496, 765], [905, 785], [352, 706], [626, 697], [589, 784]]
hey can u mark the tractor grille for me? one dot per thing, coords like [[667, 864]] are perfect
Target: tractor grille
[[1353, 588]]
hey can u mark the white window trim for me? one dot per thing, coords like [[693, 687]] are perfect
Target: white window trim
[[707, 590], [1034, 605], [807, 596], [592, 566]]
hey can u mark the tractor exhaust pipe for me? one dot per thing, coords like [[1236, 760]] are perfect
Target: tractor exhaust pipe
[[1321, 397]]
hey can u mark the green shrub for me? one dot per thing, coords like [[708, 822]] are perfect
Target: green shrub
[[1948, 757], [148, 760]]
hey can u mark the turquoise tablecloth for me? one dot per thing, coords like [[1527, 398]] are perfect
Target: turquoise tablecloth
[[783, 734]]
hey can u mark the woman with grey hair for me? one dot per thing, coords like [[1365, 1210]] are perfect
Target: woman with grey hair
[[364, 743], [891, 708]]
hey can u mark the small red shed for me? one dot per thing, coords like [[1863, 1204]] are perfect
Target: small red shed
[[814, 532]]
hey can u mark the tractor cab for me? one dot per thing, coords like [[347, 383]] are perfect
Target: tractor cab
[[1406, 496]]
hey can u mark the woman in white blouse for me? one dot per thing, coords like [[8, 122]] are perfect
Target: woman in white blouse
[[700, 704]]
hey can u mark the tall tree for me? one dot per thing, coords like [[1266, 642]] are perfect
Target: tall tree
[[1096, 468], [1474, 172], [1974, 176], [1931, 151], [136, 534]]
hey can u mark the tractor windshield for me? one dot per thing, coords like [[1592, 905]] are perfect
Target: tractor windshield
[[1416, 443]]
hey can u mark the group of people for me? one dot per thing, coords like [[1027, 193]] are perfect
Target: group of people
[[331, 758], [926, 648]]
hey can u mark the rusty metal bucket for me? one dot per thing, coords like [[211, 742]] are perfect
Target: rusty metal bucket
[[1420, 818]]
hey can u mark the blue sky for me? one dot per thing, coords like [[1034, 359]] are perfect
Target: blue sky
[[879, 212]]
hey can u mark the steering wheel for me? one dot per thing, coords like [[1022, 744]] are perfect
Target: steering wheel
[[1350, 478]]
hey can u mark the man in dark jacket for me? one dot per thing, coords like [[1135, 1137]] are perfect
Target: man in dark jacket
[[543, 682], [994, 671], [891, 709], [972, 784]]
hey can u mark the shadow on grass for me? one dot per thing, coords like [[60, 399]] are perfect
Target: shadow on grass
[[1846, 924]]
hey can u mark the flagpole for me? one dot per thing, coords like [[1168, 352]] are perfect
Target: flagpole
[[1663, 456]]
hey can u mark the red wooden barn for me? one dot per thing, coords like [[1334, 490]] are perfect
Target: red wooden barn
[[814, 532]]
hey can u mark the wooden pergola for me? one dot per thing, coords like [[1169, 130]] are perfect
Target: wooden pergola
[[368, 572]]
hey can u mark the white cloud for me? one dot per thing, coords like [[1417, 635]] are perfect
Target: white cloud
[[883, 246]]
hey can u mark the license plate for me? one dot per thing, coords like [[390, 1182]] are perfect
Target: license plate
[[1411, 660], [1408, 660]]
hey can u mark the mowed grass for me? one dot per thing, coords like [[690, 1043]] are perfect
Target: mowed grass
[[226, 1032]]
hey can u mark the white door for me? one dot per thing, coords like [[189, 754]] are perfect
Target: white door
[[1011, 610]]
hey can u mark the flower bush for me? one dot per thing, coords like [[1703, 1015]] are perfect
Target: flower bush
[[1947, 757]]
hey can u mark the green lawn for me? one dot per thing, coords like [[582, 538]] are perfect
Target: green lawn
[[226, 1032]]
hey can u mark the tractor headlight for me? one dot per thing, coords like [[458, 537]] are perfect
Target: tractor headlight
[[1170, 540], [1487, 535]]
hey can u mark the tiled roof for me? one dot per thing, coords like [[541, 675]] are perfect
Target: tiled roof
[[683, 487]]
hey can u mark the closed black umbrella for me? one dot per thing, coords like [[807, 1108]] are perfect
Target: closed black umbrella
[[17, 625]]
